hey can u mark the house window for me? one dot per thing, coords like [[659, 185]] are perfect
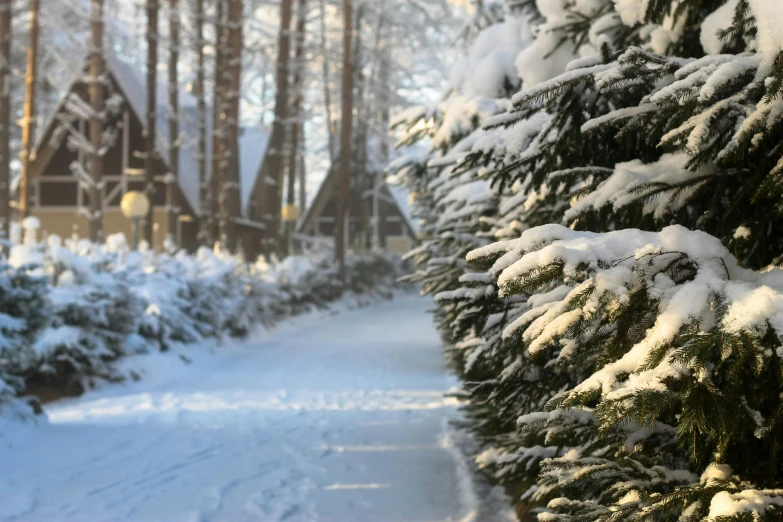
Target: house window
[[325, 227], [58, 194]]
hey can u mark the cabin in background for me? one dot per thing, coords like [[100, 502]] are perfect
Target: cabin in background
[[396, 229], [57, 200]]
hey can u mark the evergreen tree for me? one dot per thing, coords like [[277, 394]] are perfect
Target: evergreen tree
[[629, 375], [23, 314], [456, 206]]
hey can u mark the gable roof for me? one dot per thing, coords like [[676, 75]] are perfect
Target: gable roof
[[320, 200], [399, 198], [253, 142], [131, 81]]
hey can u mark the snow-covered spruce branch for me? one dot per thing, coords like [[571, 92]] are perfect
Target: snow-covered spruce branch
[[666, 340]]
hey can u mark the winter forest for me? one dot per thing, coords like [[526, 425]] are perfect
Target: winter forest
[[391, 260]]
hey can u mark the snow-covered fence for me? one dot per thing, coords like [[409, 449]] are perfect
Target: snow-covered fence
[[70, 309]]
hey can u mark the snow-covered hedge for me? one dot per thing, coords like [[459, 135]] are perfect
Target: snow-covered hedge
[[69, 311]]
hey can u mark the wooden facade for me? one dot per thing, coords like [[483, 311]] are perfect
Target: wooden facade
[[57, 199], [396, 232]]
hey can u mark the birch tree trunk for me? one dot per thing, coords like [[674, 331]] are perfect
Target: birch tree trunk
[[361, 182], [274, 165], [172, 180], [152, 101], [97, 103], [218, 127], [229, 190], [346, 130], [204, 235], [5, 117], [29, 110]]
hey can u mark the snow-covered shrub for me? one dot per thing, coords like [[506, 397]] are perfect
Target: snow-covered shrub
[[371, 273], [305, 284], [180, 306], [24, 312], [244, 296], [93, 312], [12, 408], [69, 312]]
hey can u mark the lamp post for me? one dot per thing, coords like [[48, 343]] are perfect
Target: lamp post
[[290, 215], [134, 206]]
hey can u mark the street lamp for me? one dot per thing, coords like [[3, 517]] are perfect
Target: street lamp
[[134, 206], [290, 215]]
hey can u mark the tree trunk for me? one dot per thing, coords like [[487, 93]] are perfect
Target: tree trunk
[[229, 189], [274, 166], [203, 182], [346, 129], [217, 126], [302, 173], [152, 100], [384, 114], [297, 90], [97, 103], [172, 180], [29, 110], [330, 130], [361, 182], [5, 117]]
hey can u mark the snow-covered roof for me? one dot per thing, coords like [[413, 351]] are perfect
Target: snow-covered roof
[[401, 196], [398, 193], [252, 144]]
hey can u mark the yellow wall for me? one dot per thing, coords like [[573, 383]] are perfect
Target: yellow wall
[[398, 244], [61, 222]]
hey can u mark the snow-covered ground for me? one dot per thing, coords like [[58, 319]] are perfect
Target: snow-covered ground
[[332, 418]]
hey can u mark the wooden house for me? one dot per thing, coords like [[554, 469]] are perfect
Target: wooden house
[[396, 229], [57, 199]]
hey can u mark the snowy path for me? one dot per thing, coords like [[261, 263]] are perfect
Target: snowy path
[[338, 418]]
